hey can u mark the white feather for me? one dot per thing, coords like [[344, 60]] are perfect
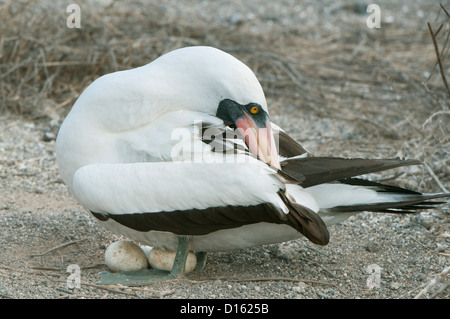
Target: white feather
[[302, 197], [332, 195], [336, 194], [167, 186]]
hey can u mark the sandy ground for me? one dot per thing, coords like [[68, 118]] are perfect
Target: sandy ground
[[43, 230]]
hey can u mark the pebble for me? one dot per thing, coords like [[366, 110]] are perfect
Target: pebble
[[324, 296], [300, 287], [395, 285], [425, 222], [48, 136], [372, 247]]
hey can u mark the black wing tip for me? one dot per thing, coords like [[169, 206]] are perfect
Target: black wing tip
[[311, 171], [306, 221]]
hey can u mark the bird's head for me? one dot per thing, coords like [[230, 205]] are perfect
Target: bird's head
[[253, 124], [210, 81], [199, 80]]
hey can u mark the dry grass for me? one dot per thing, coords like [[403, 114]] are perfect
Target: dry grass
[[384, 84]]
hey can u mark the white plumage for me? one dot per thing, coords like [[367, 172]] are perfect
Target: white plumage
[[154, 187]]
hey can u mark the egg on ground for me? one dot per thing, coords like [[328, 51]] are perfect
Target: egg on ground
[[163, 259], [125, 256]]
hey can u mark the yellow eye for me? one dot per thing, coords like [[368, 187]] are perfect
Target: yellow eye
[[254, 110]]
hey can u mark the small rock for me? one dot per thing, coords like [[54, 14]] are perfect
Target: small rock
[[395, 285], [426, 223], [324, 296], [285, 253], [236, 19], [48, 136], [372, 247], [441, 247], [300, 287], [10, 162]]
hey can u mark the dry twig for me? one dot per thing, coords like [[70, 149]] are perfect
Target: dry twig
[[439, 281], [438, 55], [57, 247]]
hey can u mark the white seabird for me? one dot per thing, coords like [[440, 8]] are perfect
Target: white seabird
[[180, 154]]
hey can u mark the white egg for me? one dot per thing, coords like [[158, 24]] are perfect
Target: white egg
[[125, 256], [163, 259]]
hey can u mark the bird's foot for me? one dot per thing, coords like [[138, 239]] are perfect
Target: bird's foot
[[140, 277], [201, 261]]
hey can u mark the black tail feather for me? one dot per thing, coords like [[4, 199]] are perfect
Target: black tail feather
[[414, 204]]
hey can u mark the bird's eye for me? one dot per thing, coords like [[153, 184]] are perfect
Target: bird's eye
[[254, 110]]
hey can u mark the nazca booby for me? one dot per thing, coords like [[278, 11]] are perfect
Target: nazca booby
[[181, 154]]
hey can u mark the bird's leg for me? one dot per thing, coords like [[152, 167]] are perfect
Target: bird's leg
[[184, 244], [148, 276], [201, 261]]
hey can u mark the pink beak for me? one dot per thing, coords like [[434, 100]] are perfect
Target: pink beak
[[259, 140]]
